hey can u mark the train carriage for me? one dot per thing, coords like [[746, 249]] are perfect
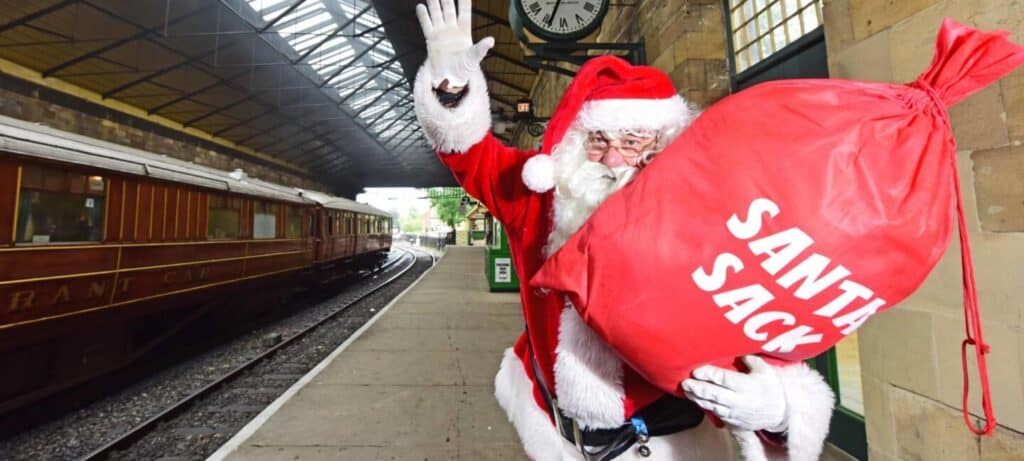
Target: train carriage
[[106, 250], [351, 235]]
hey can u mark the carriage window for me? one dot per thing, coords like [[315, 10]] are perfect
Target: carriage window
[[264, 220], [60, 206], [293, 223], [224, 217]]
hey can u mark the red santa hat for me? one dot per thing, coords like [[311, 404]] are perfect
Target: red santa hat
[[609, 94]]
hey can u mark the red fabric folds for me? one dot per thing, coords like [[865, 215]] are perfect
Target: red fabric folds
[[782, 219]]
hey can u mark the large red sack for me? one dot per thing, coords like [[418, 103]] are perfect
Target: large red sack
[[782, 219]]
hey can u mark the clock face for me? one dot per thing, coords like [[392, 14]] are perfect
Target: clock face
[[562, 19]]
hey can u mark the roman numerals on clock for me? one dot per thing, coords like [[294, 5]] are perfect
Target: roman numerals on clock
[[561, 20]]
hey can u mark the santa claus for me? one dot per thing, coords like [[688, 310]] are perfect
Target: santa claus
[[566, 392]]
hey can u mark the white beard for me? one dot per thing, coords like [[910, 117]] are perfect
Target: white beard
[[580, 186], [588, 373]]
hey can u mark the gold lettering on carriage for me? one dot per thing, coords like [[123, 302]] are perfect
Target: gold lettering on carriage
[[192, 274], [26, 299]]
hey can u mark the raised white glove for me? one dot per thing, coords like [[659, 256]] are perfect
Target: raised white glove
[[752, 401], [451, 54]]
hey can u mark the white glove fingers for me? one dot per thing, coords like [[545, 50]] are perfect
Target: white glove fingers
[[448, 9], [465, 19], [425, 23], [436, 16], [709, 391], [756, 364], [720, 376], [482, 47], [720, 411], [733, 422]]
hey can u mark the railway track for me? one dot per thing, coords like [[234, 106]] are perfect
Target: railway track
[[109, 418], [120, 444]]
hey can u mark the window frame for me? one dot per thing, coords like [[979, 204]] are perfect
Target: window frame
[[792, 47], [67, 171], [211, 200], [293, 211]]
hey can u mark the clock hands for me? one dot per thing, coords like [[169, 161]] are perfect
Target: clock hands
[[553, 11]]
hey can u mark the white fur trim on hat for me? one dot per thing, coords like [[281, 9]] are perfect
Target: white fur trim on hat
[[623, 114], [453, 130], [539, 173]]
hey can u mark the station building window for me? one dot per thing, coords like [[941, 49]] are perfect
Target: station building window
[[57, 205], [762, 27], [224, 217], [264, 220]]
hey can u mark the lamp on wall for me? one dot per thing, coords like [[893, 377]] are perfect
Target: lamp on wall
[[524, 113], [524, 110]]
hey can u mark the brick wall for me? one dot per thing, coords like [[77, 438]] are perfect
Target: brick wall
[[910, 356], [25, 101], [684, 38]]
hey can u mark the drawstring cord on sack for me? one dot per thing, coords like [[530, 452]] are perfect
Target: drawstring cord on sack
[[972, 321], [972, 315]]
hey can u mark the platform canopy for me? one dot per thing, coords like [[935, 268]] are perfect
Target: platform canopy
[[324, 85]]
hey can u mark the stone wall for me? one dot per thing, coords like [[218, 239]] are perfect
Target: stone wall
[[25, 101], [683, 38], [910, 355]]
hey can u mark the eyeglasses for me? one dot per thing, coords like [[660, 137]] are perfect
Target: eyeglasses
[[630, 146]]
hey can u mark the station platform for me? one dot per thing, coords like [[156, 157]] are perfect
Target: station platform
[[417, 383]]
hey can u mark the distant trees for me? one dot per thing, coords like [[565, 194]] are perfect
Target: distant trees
[[447, 203], [412, 222]]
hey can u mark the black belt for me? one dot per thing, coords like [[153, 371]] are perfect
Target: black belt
[[666, 415]]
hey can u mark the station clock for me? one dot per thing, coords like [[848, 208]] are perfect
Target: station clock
[[561, 20]]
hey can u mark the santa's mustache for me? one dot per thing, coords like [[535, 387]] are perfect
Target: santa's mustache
[[593, 182]]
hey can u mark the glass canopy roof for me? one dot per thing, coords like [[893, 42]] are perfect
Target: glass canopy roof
[[342, 42]]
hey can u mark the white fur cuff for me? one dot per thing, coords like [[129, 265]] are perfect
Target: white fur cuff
[[453, 130], [539, 173], [809, 403]]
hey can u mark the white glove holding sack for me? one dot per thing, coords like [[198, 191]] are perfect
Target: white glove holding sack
[[451, 54], [751, 401]]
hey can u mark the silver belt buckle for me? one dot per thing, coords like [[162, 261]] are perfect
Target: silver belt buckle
[[557, 417], [577, 436]]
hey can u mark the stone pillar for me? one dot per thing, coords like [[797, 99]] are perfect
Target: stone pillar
[[910, 354]]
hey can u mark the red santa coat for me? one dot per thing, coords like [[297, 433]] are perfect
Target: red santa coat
[[593, 386], [492, 173]]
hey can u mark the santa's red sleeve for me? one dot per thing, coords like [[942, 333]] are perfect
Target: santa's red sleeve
[[487, 169]]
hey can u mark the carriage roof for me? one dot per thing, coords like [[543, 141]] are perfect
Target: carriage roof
[[39, 141], [339, 203]]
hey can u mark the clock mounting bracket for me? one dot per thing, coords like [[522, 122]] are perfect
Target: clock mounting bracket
[[546, 55]]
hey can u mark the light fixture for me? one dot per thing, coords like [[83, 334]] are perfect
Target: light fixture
[[524, 110]]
